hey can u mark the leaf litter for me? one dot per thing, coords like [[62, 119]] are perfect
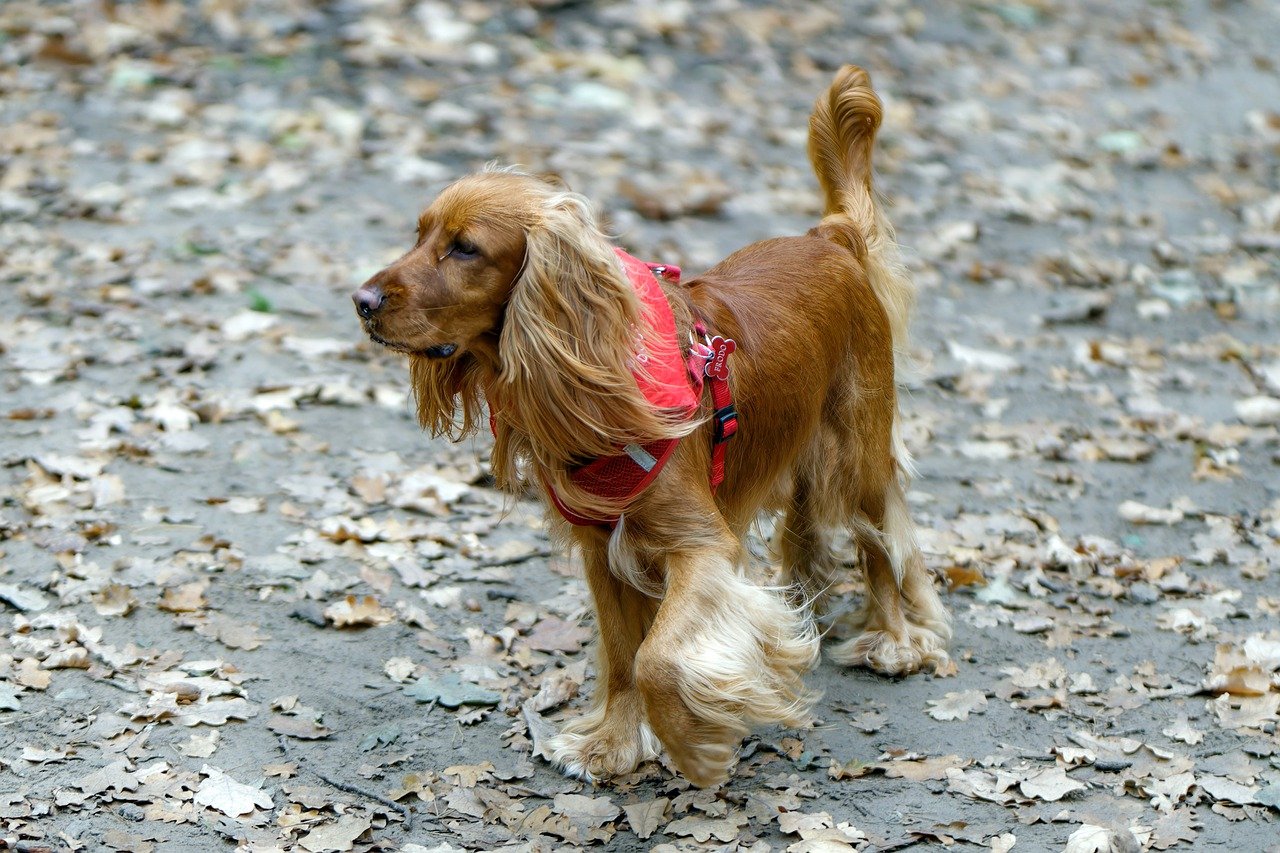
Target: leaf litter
[[214, 493]]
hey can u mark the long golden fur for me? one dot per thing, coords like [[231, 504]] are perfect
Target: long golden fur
[[513, 297]]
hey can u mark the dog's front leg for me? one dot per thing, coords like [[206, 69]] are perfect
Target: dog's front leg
[[723, 654], [613, 737]]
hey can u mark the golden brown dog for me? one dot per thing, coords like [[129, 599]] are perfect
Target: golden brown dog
[[512, 297]]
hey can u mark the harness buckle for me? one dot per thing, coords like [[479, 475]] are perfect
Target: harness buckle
[[726, 424]]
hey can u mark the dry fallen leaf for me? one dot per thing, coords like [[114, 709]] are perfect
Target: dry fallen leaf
[[962, 576], [958, 706], [1003, 843], [1097, 839], [796, 823], [118, 839], [1051, 784], [22, 598], [399, 670], [702, 829], [114, 600], [187, 598], [358, 611], [540, 731], [469, 775], [215, 713], [1174, 828], [200, 745], [219, 791], [1182, 730], [338, 836], [1246, 713], [1138, 513], [229, 632], [115, 776], [31, 676], [922, 769], [869, 722], [588, 815], [450, 691], [646, 816], [1227, 789], [298, 727], [556, 635]]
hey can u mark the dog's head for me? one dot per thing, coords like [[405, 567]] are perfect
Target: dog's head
[[512, 292], [444, 298]]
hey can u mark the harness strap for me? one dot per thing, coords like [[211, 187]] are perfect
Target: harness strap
[[724, 415], [637, 466]]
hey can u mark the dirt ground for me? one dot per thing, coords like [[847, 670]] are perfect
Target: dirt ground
[[246, 604]]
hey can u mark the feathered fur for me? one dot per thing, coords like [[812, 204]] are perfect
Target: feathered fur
[[566, 385]]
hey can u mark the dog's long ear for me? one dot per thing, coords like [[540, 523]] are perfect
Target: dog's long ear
[[569, 343], [447, 393]]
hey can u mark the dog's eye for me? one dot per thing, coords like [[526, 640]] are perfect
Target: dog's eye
[[463, 248]]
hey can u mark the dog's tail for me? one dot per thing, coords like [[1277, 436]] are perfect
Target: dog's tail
[[842, 131]]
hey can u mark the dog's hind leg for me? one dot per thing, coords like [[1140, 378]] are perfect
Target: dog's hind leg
[[807, 565], [904, 625], [613, 737]]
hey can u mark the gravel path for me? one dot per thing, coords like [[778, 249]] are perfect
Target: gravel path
[[245, 603]]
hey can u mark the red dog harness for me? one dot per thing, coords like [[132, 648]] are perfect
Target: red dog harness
[[669, 381]]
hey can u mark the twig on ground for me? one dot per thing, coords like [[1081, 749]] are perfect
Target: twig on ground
[[347, 787], [540, 554]]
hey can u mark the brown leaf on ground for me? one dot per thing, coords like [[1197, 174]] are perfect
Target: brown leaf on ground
[[922, 769], [358, 611], [540, 731], [796, 823], [118, 839], [399, 670], [1051, 785], [1174, 828], [702, 829], [468, 775], [646, 816], [958, 706], [962, 576], [338, 836], [298, 727], [229, 632], [556, 635], [187, 598], [869, 722], [30, 675], [114, 600], [1182, 730], [590, 816], [200, 745], [219, 791]]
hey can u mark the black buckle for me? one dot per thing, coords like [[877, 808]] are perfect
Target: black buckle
[[726, 424]]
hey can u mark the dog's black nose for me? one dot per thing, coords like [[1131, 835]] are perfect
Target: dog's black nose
[[368, 300]]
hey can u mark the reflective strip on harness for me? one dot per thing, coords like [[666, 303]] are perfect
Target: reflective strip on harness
[[641, 457]]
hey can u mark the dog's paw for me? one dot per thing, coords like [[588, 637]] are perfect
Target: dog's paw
[[706, 765], [595, 746], [889, 654]]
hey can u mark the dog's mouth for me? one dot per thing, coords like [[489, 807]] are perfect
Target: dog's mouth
[[437, 351]]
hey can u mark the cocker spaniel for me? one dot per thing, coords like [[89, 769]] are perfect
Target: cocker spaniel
[[659, 418]]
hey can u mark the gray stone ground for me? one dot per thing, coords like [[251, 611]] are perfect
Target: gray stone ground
[[202, 459]]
